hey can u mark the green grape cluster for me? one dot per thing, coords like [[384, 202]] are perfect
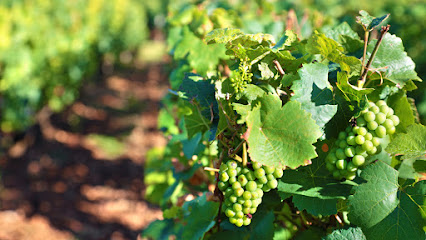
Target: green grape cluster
[[243, 189], [362, 140]]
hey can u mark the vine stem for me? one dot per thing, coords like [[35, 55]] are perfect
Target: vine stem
[[211, 169], [244, 153], [384, 30], [366, 35]]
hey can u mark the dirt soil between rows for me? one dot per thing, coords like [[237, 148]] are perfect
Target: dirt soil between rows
[[59, 182]]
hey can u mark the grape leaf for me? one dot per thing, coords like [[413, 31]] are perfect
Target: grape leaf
[[386, 210], [344, 35], [393, 60], [315, 206], [350, 92], [314, 180], [313, 91], [402, 108], [160, 229], [199, 217], [286, 40], [196, 122], [280, 136], [369, 22], [411, 144], [223, 35], [349, 233]]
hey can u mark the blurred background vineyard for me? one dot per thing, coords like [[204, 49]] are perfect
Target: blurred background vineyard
[[83, 82]]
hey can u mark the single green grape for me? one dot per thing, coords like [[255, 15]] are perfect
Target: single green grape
[[367, 145], [380, 103], [256, 165], [368, 136], [253, 210], [369, 116], [375, 109], [232, 164], [388, 124], [384, 109], [361, 122], [349, 151], [350, 176], [273, 183], [233, 198], [233, 220], [239, 214], [362, 131], [254, 194], [270, 177], [380, 131], [236, 185], [250, 176], [266, 188], [390, 113], [278, 173], [342, 144], [350, 140], [251, 186], [342, 135], [330, 167], [247, 204], [247, 195], [246, 210], [239, 222], [372, 125], [395, 120], [380, 118], [222, 185], [359, 139], [232, 172], [372, 151], [341, 164], [355, 129], [224, 177], [392, 130], [268, 169], [351, 167], [223, 167], [246, 221], [260, 172], [340, 154], [239, 192], [229, 212], [262, 180], [336, 174], [359, 150], [358, 160], [237, 207], [259, 192]]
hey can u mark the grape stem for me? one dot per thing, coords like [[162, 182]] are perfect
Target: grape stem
[[244, 154], [211, 169], [384, 30]]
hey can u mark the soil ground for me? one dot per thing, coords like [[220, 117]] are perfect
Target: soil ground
[[79, 174]]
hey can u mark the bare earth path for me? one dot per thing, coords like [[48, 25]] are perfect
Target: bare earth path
[[79, 174]]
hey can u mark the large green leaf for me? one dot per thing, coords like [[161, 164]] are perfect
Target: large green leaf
[[393, 60], [399, 103], [344, 35], [314, 92], [196, 122], [350, 233], [315, 206], [199, 217], [281, 136], [386, 210], [161, 229], [411, 144], [350, 92], [314, 180]]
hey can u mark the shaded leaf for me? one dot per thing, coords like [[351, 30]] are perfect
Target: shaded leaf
[[349, 233], [402, 108], [350, 92], [280, 136], [314, 92], [386, 210], [315, 206]]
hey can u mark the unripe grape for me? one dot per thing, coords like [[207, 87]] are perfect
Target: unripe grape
[[247, 204], [253, 210], [239, 222], [351, 167], [349, 151], [330, 167], [372, 125], [369, 116], [254, 194], [273, 183], [342, 135], [229, 192], [388, 124], [232, 164], [250, 176], [375, 141], [256, 165], [367, 145], [348, 129], [392, 130], [375, 109], [384, 109], [247, 195], [232, 180], [251, 186], [355, 129], [390, 113], [229, 212], [336, 174], [340, 154], [380, 103], [380, 131], [358, 160], [263, 180], [239, 214], [341, 164], [241, 200], [331, 158], [350, 140], [342, 144], [266, 188], [372, 151], [232, 172], [395, 120], [246, 210], [233, 198], [259, 192], [242, 179], [239, 192], [246, 221], [361, 122], [359, 139], [223, 167], [270, 177], [222, 186], [233, 220], [278, 173], [359, 150], [351, 176], [224, 177], [380, 118], [237, 207], [362, 131], [269, 169], [238, 170], [258, 173], [236, 185], [368, 136]]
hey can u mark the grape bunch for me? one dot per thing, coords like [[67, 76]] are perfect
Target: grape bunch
[[243, 189], [362, 140]]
